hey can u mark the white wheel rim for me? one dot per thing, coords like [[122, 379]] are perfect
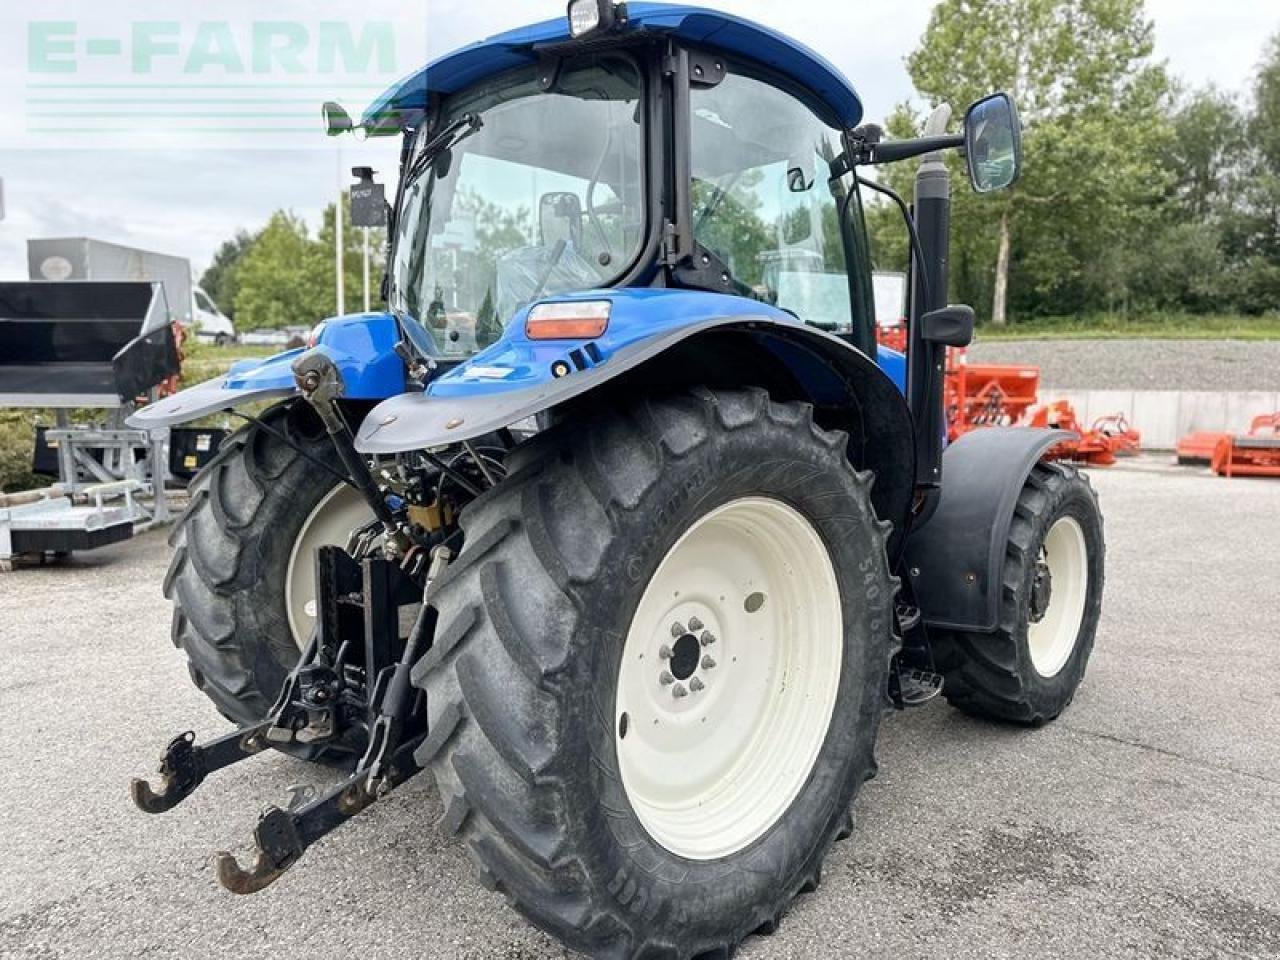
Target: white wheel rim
[[1052, 639], [329, 525], [710, 771]]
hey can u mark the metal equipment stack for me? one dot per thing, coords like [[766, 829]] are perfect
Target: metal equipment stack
[[76, 346]]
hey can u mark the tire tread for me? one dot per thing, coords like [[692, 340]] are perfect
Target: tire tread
[[502, 787]]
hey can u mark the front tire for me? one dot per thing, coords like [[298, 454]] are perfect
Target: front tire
[[548, 667], [1029, 669], [242, 575]]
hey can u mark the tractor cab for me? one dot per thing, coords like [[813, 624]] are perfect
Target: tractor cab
[[665, 147]]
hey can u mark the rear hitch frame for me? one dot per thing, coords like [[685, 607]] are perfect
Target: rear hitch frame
[[391, 715]]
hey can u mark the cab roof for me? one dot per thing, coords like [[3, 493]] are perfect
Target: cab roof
[[696, 25]]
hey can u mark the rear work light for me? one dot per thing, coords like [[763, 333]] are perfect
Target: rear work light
[[578, 320], [590, 16]]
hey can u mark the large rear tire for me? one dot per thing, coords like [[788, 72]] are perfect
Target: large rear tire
[[552, 684], [1029, 669], [241, 578]]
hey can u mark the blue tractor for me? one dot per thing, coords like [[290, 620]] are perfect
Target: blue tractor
[[617, 520]]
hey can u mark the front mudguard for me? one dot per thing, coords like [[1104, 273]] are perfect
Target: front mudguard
[[362, 346], [955, 559], [207, 398]]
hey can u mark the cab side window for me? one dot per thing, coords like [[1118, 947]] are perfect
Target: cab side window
[[763, 201]]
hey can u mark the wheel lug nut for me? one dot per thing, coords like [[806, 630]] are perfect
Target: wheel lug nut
[[708, 663], [679, 691], [678, 630], [664, 652], [708, 638], [696, 685], [694, 624], [666, 679]]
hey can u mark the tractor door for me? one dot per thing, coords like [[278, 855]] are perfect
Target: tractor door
[[764, 203]]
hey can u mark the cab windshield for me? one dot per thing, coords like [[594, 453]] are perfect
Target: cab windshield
[[546, 197]]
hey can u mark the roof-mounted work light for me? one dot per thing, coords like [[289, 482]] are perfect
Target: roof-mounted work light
[[588, 17]]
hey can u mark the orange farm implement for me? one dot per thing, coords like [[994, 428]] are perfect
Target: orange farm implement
[[1255, 454], [987, 395], [1108, 438], [1006, 395]]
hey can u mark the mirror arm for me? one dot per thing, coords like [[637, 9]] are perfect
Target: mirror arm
[[892, 151]]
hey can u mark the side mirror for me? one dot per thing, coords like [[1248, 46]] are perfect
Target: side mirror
[[951, 326], [993, 143], [336, 120]]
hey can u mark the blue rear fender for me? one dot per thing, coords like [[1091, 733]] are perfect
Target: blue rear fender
[[665, 339], [637, 316], [516, 377], [362, 346]]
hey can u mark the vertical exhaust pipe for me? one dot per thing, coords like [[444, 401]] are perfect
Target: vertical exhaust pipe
[[926, 362]]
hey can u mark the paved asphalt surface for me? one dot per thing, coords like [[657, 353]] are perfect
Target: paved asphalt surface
[[1146, 822], [1142, 364]]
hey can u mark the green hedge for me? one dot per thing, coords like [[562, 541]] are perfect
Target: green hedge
[[17, 438]]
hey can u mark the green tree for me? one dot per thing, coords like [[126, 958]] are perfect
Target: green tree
[[1180, 263], [488, 326], [1205, 152], [1093, 109], [731, 226], [285, 278], [1253, 237], [221, 281]]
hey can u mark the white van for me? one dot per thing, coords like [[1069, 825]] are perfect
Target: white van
[[210, 323]]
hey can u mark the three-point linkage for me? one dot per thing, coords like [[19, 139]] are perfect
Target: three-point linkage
[[346, 692]]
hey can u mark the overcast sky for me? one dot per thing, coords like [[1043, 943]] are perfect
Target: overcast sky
[[187, 200]]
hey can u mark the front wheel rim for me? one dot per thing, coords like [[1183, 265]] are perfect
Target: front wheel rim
[[729, 677], [1052, 637]]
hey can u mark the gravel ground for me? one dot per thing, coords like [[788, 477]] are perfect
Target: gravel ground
[[1146, 822], [1143, 364]]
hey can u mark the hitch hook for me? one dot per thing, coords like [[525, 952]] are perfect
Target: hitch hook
[[184, 766], [180, 773], [278, 848], [282, 836]]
